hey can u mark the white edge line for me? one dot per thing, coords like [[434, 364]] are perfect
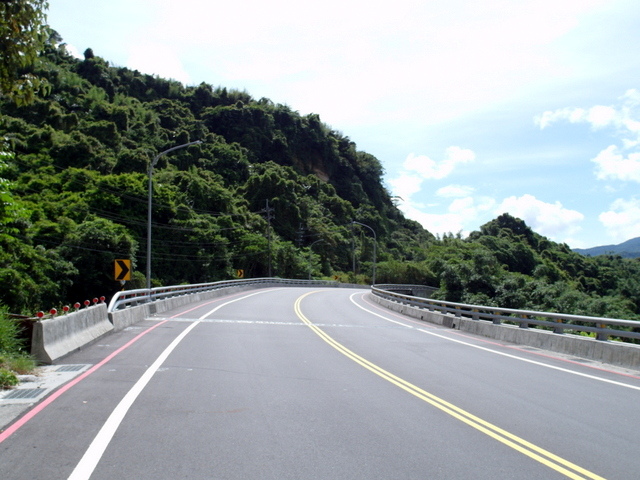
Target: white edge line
[[534, 362], [84, 469]]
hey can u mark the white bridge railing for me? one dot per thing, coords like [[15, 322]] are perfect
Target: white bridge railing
[[603, 328], [128, 298]]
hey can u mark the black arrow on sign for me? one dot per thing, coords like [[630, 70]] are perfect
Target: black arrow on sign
[[123, 272]]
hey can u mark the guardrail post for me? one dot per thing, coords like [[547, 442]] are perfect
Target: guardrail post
[[523, 323], [559, 329], [600, 335]]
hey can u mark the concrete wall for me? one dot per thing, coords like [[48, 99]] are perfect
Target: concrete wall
[[613, 353], [128, 316], [55, 337]]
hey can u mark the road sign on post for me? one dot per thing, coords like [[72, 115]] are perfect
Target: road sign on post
[[240, 273], [122, 269]]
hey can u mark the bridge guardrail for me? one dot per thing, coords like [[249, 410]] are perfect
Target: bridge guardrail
[[421, 291], [129, 298], [557, 322]]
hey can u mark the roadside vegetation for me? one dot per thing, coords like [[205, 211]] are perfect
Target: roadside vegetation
[[14, 359]]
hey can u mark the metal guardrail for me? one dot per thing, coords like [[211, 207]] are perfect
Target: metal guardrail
[[424, 291], [557, 322], [129, 298]]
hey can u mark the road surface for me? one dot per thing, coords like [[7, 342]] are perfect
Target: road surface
[[300, 383]]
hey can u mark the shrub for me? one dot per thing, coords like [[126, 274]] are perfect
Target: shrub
[[13, 360], [7, 378], [10, 342], [20, 364]]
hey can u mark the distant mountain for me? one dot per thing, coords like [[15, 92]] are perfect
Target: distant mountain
[[628, 249]]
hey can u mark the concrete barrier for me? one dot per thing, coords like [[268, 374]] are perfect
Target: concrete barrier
[[605, 351], [56, 337], [121, 319]]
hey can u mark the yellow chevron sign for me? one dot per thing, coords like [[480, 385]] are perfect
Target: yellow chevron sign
[[122, 269]]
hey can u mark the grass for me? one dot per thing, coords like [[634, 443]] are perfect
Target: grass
[[14, 360], [20, 364], [7, 378]]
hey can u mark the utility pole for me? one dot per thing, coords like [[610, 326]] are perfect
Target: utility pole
[[311, 253], [268, 210], [353, 250], [300, 234], [149, 203], [375, 246]]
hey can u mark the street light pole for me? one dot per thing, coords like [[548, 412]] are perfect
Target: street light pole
[[375, 246], [151, 165], [310, 253]]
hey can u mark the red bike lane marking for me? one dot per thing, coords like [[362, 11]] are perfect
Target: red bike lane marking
[[14, 427]]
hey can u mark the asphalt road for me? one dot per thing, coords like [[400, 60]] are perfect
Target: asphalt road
[[294, 383]]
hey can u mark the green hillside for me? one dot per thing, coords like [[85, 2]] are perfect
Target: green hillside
[[268, 191], [264, 185]]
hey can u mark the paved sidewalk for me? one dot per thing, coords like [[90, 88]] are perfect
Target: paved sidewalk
[[33, 388]]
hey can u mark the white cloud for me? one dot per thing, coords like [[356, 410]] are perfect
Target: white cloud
[[158, 59], [572, 115], [430, 61], [73, 51], [430, 169], [470, 209], [463, 209], [622, 221], [460, 206], [405, 185], [612, 164], [548, 219], [461, 217], [438, 59], [455, 191], [622, 116], [418, 169], [437, 224], [616, 162], [601, 116]]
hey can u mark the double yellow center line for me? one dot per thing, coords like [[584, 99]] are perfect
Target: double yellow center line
[[539, 454]]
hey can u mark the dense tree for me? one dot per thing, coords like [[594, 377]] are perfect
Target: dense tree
[[23, 34], [93, 246]]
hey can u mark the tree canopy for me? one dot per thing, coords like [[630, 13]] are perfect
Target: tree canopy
[[23, 34]]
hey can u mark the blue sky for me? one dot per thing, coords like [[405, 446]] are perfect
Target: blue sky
[[473, 107]]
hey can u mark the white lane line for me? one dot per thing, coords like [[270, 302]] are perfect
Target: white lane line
[[490, 350], [274, 322], [94, 453]]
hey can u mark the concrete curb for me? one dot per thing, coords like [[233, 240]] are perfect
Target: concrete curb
[[614, 353], [55, 337]]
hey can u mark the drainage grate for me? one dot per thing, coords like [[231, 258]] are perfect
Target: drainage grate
[[24, 393], [70, 368]]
